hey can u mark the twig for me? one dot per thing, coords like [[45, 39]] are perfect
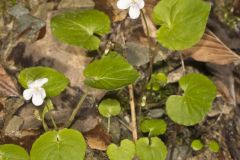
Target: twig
[[182, 62], [133, 113], [124, 124], [75, 111], [151, 57]]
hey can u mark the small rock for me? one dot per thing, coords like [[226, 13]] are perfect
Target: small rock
[[138, 54], [156, 113], [29, 22], [29, 118], [18, 10], [14, 126], [181, 152], [85, 125]]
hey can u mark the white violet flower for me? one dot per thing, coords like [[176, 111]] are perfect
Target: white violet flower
[[134, 7], [35, 91]]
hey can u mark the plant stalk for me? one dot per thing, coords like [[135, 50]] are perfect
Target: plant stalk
[[151, 56], [45, 127], [52, 119], [149, 139], [109, 125], [133, 113], [76, 110]]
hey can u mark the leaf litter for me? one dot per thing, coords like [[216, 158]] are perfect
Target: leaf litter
[[216, 60]]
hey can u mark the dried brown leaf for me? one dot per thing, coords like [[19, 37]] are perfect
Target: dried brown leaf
[[110, 7], [97, 138], [211, 49], [148, 14], [7, 86]]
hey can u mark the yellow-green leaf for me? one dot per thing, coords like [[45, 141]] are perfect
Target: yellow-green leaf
[[110, 72], [182, 22]]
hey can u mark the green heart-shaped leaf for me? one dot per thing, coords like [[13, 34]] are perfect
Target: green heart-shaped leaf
[[81, 27], [13, 152], [156, 151], [66, 144], [155, 127], [110, 72], [182, 22], [196, 145], [109, 107], [213, 146], [126, 151], [192, 107], [57, 82]]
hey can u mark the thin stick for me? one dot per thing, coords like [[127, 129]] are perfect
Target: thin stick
[[124, 124], [133, 113], [182, 62], [75, 111], [151, 57]]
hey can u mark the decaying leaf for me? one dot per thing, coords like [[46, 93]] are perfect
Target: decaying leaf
[[149, 5], [237, 87], [110, 7], [7, 86], [213, 50], [97, 138]]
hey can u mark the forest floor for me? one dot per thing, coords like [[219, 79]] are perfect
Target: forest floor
[[26, 40]]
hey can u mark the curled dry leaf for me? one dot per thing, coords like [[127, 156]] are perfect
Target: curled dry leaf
[[211, 49], [151, 26], [237, 87], [148, 9], [97, 138], [7, 86], [110, 8]]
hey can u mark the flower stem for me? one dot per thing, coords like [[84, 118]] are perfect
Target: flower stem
[[76, 110], [52, 119], [151, 56], [109, 125], [45, 127], [149, 139], [133, 113]]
